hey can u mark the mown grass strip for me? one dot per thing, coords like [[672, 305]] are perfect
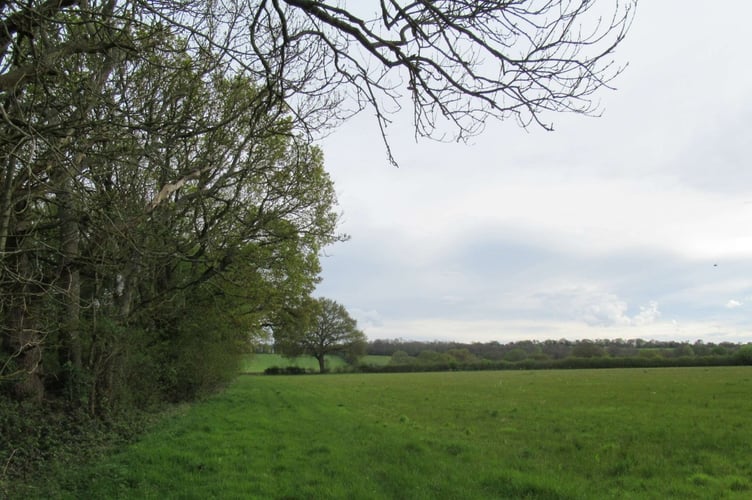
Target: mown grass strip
[[658, 433]]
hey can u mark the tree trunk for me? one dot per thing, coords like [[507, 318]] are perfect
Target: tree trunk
[[71, 278], [322, 363], [6, 204], [25, 341]]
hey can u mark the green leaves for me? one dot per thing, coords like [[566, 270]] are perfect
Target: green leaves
[[181, 199], [319, 327]]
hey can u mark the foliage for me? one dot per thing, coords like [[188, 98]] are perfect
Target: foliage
[[587, 349], [440, 363], [462, 355], [558, 349], [32, 438], [516, 354], [430, 357], [187, 237], [744, 355], [660, 433], [286, 370], [400, 358], [318, 328], [645, 357], [258, 363]]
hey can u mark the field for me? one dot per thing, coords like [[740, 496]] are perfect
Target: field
[[257, 363], [657, 433]]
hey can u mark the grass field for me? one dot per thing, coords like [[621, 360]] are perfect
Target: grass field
[[658, 433], [257, 363]]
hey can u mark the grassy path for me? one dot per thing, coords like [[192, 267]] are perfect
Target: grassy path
[[661, 433]]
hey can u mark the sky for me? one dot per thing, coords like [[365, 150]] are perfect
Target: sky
[[634, 224]]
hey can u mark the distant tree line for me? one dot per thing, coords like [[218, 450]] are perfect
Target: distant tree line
[[555, 349], [529, 354], [413, 355]]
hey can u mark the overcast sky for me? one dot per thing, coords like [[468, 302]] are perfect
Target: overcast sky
[[634, 224]]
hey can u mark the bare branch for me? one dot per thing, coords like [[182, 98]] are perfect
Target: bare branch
[[466, 61]]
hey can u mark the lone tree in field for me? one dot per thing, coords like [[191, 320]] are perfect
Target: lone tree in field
[[322, 327]]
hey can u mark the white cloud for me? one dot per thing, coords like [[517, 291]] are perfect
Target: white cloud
[[648, 314], [598, 308], [733, 304], [367, 319]]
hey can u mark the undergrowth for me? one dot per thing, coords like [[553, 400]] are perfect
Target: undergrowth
[[35, 438]]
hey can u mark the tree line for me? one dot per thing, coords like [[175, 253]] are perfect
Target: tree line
[[407, 350], [406, 356]]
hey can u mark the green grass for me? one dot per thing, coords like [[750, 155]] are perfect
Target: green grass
[[657, 433], [257, 363]]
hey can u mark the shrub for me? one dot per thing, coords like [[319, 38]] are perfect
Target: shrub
[[401, 358], [516, 354], [743, 356], [588, 349], [286, 370]]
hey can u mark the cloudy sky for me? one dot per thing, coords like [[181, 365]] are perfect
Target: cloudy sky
[[634, 224]]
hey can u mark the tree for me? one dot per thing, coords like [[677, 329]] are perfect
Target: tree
[[588, 349], [400, 358], [744, 355], [319, 328], [462, 355], [516, 354], [431, 357]]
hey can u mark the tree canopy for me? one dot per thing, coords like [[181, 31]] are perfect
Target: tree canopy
[[319, 328]]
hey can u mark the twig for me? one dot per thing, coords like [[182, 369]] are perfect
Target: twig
[[7, 463]]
